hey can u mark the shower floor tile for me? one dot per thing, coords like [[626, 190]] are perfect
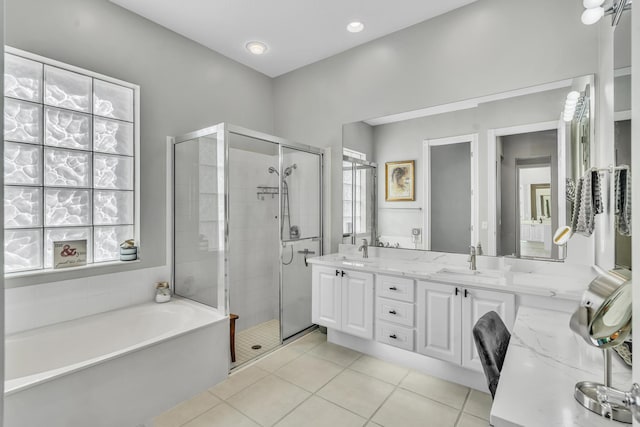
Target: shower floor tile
[[266, 335]]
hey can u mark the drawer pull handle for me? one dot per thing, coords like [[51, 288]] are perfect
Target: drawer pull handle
[[393, 336], [457, 291], [466, 293], [392, 312], [337, 272], [393, 288], [343, 273]]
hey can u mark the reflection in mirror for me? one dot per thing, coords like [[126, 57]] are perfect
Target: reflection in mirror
[[622, 139], [528, 188], [448, 213], [359, 178], [449, 219]]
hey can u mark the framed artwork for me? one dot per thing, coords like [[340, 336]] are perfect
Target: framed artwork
[[69, 253], [400, 181]]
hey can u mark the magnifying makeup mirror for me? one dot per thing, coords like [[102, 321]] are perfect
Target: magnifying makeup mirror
[[609, 326]]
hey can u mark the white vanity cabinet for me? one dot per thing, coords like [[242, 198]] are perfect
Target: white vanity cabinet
[[395, 311], [446, 315], [343, 300]]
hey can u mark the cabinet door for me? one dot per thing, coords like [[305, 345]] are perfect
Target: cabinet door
[[357, 304], [439, 321], [474, 306], [326, 297]]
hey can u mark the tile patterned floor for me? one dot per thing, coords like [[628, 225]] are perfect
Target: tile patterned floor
[[266, 334], [313, 383]]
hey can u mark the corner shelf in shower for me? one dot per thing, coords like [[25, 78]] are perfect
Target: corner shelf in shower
[[264, 190]]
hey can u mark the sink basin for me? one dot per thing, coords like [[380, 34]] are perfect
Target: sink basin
[[489, 277], [355, 262]]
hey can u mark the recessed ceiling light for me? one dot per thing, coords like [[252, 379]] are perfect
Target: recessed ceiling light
[[257, 48], [355, 27]]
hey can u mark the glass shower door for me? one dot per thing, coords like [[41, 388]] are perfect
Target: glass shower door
[[199, 218], [301, 229]]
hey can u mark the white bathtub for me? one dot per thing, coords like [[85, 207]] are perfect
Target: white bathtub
[[118, 368]]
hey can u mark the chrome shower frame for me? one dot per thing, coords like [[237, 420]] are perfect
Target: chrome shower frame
[[224, 131]]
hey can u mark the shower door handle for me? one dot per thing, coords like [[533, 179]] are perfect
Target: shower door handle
[[306, 252]]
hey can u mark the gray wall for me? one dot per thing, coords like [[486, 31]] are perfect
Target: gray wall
[[359, 137], [450, 197], [487, 47], [184, 87], [516, 147]]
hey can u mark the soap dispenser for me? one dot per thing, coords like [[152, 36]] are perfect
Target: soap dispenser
[[163, 293]]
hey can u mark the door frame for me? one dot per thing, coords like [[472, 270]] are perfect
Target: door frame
[[472, 139], [492, 168]]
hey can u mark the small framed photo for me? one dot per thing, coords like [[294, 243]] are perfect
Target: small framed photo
[[69, 253], [400, 181]]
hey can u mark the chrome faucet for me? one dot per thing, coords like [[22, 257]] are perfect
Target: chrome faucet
[[364, 248], [472, 258]]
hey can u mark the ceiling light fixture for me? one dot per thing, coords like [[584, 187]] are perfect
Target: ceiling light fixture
[[593, 11], [355, 27], [256, 48]]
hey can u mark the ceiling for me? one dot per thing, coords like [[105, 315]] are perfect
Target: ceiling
[[297, 32]]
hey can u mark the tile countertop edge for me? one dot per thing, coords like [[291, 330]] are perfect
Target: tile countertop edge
[[373, 265]]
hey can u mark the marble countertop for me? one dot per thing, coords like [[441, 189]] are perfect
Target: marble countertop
[[544, 361], [445, 270]]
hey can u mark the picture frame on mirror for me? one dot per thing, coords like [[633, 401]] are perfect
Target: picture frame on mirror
[[400, 181]]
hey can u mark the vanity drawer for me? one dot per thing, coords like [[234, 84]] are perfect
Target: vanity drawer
[[395, 311], [395, 287], [397, 336]]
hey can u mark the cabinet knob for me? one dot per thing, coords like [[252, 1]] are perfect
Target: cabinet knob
[[393, 336], [393, 288], [392, 312]]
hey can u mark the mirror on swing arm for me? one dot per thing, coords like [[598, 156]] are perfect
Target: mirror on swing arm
[[608, 328]]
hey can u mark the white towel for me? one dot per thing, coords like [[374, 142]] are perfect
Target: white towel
[[623, 200]]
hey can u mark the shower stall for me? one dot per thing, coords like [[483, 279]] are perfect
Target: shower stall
[[247, 216]]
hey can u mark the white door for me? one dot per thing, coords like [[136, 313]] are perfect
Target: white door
[[475, 303], [326, 297], [439, 321], [357, 304]]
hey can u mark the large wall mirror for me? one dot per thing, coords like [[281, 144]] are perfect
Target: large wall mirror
[[622, 139], [490, 171]]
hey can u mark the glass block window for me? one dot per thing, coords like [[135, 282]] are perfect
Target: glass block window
[[69, 162]]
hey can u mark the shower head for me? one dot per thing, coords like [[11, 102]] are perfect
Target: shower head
[[272, 170], [290, 169]]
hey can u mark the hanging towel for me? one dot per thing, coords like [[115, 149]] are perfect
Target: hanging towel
[[596, 192], [623, 200], [587, 204], [576, 206]]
